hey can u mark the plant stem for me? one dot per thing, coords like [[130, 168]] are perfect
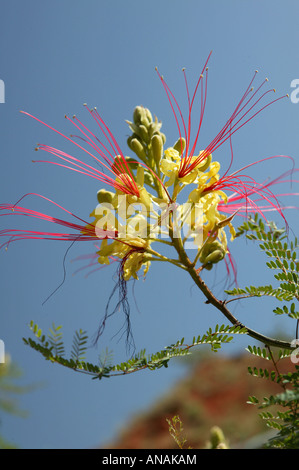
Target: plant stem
[[219, 304]]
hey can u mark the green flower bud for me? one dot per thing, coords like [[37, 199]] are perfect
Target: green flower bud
[[157, 148], [143, 133], [148, 178], [137, 147], [129, 140], [152, 130], [217, 439], [140, 175], [138, 114], [142, 116], [144, 121], [148, 115], [105, 196], [212, 253], [180, 145], [163, 137], [215, 256]]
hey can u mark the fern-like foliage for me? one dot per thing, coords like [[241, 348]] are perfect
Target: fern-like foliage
[[175, 427], [256, 225], [54, 351], [281, 258], [55, 340], [285, 419], [79, 346]]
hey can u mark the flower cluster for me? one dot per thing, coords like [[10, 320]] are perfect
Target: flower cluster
[[174, 195]]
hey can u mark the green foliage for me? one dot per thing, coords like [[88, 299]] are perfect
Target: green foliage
[[285, 419], [289, 311], [281, 258], [257, 351], [175, 427], [55, 339], [9, 373], [79, 348], [258, 226], [54, 351]]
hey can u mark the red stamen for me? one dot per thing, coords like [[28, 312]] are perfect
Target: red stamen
[[126, 181], [241, 199], [90, 232], [93, 257], [238, 119]]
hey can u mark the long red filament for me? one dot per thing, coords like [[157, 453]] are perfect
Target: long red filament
[[126, 180]]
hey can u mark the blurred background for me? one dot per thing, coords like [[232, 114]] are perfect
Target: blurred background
[[57, 55]]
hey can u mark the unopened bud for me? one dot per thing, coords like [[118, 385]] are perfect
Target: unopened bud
[[163, 137], [217, 438], [140, 175], [137, 114], [143, 133], [145, 122], [142, 115], [212, 253], [137, 147], [180, 144], [157, 147], [148, 114], [148, 178], [105, 196]]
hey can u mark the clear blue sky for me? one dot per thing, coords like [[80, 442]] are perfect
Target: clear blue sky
[[56, 55]]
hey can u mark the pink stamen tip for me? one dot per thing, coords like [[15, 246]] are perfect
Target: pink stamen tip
[[126, 181], [238, 119]]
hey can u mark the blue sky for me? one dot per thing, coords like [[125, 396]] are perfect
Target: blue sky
[[57, 55]]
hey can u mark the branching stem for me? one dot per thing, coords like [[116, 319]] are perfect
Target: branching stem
[[219, 304]]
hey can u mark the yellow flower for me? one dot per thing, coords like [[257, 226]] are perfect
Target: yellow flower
[[134, 262], [132, 250], [171, 163]]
